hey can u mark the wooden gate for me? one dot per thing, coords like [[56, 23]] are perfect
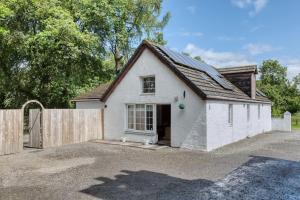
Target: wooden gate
[[35, 129], [11, 131]]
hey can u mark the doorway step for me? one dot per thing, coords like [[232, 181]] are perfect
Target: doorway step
[[131, 144]]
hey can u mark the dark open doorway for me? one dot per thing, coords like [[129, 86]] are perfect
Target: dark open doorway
[[163, 113]]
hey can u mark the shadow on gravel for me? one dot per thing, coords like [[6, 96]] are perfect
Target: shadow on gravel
[[259, 178]]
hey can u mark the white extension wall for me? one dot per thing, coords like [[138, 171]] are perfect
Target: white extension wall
[[92, 104], [282, 124], [220, 132], [188, 126]]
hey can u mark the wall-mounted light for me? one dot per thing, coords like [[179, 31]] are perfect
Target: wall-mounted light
[[184, 94], [181, 106]]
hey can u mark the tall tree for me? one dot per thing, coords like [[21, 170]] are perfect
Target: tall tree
[[275, 84], [50, 53], [52, 49], [129, 21], [296, 81]]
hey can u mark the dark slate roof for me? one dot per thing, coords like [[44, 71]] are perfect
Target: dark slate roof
[[209, 86], [261, 96], [200, 81], [239, 69], [96, 93]]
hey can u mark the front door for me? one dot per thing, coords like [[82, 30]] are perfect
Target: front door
[[163, 123]]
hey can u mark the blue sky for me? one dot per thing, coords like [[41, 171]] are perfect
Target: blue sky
[[236, 32]]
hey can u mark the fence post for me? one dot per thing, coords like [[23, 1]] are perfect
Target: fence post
[[288, 120]]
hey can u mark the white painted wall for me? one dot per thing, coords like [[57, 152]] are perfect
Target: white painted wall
[[89, 105], [282, 124], [188, 126], [220, 132]]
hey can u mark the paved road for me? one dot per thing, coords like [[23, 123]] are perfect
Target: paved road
[[263, 167]]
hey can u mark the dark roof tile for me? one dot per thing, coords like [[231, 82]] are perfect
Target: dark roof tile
[[96, 93]]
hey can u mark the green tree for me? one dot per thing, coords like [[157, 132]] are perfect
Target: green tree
[[53, 49], [296, 81], [129, 21], [274, 83], [46, 54]]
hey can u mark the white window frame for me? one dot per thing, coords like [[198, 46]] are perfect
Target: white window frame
[[145, 118], [230, 114], [126, 116], [142, 84]]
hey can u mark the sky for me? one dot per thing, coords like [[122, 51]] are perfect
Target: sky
[[236, 32]]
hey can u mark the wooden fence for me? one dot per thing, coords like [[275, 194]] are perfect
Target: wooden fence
[[11, 131], [69, 126], [49, 128]]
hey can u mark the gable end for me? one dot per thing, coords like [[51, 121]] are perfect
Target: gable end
[[164, 60]]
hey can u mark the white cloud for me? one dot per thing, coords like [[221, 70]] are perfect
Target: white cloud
[[191, 9], [293, 66], [188, 34], [255, 5], [198, 34], [217, 59], [228, 38], [255, 49], [255, 28]]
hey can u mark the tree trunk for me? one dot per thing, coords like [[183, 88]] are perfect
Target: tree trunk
[[118, 58]]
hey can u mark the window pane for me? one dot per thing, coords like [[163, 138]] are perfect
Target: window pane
[[130, 115], [149, 85], [149, 115], [140, 116]]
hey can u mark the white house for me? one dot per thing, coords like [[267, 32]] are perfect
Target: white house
[[165, 97]]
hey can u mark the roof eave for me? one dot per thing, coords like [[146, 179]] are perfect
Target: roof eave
[[85, 99], [237, 99]]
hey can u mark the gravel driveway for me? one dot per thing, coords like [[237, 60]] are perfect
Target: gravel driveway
[[263, 167]]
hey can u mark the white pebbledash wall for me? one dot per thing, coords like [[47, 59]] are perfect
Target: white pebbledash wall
[[220, 132], [188, 126], [202, 125], [282, 124]]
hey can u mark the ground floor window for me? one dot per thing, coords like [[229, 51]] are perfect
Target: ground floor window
[[140, 117]]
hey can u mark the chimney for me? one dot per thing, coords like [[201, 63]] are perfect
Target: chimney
[[243, 77], [253, 85]]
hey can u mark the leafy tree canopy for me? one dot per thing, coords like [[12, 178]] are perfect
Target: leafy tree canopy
[[51, 49], [275, 84]]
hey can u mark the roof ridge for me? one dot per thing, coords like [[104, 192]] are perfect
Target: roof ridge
[[233, 67]]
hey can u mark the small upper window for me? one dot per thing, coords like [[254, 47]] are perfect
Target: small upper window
[[148, 84]]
